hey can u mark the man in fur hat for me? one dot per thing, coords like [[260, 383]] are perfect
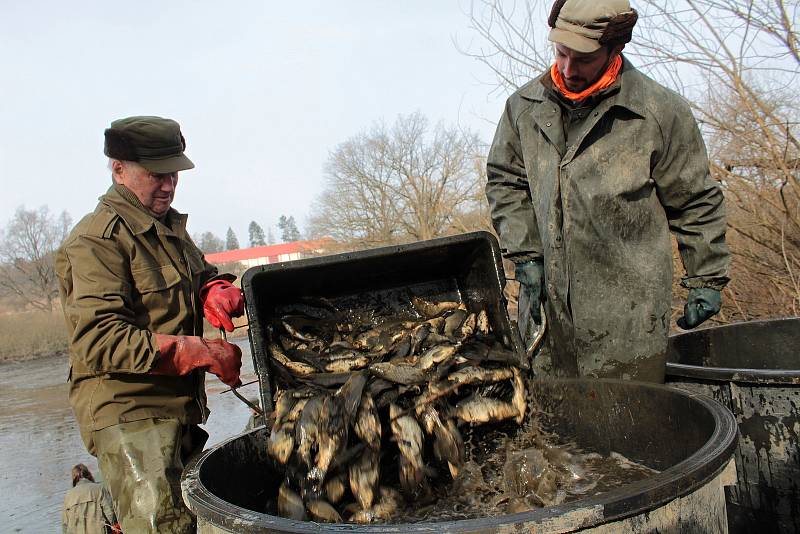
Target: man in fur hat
[[135, 288], [592, 165]]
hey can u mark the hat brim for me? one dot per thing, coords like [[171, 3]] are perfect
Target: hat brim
[[167, 165], [573, 41]]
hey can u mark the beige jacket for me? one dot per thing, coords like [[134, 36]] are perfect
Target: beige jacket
[[87, 509]]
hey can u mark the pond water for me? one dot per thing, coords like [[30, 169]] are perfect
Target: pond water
[[40, 443]]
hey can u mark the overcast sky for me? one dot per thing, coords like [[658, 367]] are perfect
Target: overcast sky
[[263, 91]]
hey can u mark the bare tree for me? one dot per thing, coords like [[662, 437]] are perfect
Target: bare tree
[[27, 248], [400, 183], [737, 63]]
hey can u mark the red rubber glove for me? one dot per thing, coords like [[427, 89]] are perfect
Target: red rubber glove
[[180, 355], [221, 301]]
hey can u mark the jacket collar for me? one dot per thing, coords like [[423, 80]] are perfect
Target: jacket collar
[[630, 84], [125, 204]]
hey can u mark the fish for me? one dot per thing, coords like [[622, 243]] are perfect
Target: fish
[[399, 373], [482, 323], [296, 334], [295, 368], [332, 435], [435, 355], [434, 339], [518, 399], [307, 430], [290, 505], [351, 394], [345, 365], [480, 375], [431, 309], [325, 380], [468, 327], [402, 348], [478, 409], [283, 405], [428, 417], [364, 473], [296, 411], [418, 336], [323, 511], [449, 446], [368, 425], [335, 488], [452, 323], [300, 369], [281, 443], [386, 398], [408, 435], [390, 502]]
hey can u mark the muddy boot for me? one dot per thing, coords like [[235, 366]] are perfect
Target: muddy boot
[[142, 462]]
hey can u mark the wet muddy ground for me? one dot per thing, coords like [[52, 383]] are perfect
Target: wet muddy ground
[[40, 443]]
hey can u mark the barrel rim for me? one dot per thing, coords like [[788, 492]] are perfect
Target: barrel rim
[[677, 481], [734, 374]]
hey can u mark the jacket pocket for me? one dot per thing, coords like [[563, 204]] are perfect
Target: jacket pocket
[[152, 279]]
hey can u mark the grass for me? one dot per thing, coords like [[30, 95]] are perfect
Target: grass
[[29, 335]]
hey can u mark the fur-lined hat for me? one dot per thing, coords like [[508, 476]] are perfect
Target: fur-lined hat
[[154, 142]]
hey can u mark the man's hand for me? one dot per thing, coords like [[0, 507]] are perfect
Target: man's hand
[[530, 276], [702, 303], [221, 301], [180, 355]]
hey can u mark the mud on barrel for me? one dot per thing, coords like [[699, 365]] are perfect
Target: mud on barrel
[[753, 368]]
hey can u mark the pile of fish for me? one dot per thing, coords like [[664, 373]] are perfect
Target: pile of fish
[[369, 404]]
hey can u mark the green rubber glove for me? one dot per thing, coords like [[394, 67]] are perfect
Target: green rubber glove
[[530, 276], [702, 303]]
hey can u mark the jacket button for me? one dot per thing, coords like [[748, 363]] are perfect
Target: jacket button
[[548, 124]]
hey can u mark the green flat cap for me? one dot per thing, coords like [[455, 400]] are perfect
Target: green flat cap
[[153, 142]]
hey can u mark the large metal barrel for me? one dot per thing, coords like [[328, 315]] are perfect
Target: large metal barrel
[[689, 438], [752, 368]]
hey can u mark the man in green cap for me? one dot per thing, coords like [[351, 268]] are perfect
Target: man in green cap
[[592, 165], [134, 289]]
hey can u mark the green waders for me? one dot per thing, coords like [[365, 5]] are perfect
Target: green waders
[[142, 462]]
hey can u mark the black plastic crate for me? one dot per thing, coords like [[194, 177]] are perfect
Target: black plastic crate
[[465, 268]]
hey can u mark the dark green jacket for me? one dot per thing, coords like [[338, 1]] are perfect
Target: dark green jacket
[[599, 207], [124, 276]]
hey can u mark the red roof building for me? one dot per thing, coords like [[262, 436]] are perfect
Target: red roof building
[[250, 257]]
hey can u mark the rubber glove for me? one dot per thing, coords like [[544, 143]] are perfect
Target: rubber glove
[[530, 276], [702, 303], [180, 355], [221, 301]]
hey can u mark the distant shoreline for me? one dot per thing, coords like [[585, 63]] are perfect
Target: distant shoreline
[[35, 356], [236, 335]]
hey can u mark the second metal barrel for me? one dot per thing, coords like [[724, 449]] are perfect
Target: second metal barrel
[[753, 368]]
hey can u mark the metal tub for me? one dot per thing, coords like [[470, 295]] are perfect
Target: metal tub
[[689, 437]]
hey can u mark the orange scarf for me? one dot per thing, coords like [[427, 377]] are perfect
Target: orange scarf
[[608, 77]]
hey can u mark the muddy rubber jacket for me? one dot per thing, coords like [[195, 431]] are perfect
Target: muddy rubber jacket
[[597, 199], [124, 276]]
